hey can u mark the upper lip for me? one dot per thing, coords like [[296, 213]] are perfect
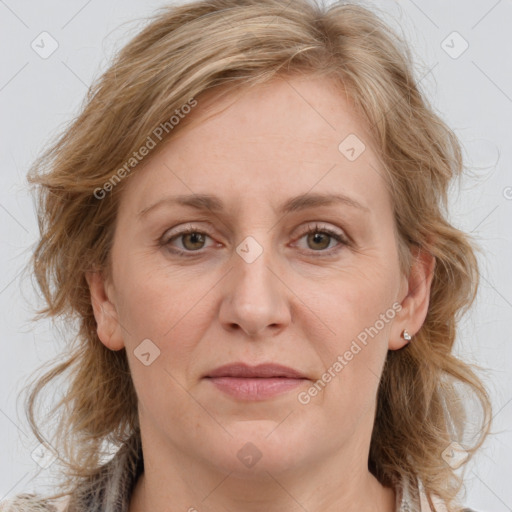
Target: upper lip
[[243, 370]]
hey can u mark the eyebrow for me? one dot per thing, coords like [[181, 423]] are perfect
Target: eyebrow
[[213, 203]]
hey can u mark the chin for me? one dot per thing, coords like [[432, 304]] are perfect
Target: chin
[[259, 447]]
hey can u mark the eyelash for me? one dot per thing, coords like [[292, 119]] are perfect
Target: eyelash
[[314, 228]]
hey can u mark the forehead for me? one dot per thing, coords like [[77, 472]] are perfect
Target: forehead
[[288, 136], [301, 112]]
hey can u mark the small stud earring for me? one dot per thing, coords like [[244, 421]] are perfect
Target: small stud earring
[[406, 335]]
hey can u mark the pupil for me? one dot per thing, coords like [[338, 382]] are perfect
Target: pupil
[[195, 238], [316, 240]]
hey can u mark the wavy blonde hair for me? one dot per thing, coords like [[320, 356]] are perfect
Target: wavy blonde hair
[[231, 45]]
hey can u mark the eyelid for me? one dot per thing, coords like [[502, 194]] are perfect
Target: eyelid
[[208, 230], [324, 228], [182, 230]]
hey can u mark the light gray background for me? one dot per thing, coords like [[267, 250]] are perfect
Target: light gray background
[[473, 93]]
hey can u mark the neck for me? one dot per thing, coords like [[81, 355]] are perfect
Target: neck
[[173, 481]]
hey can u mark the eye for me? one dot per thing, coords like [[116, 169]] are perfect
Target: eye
[[192, 240], [319, 238]]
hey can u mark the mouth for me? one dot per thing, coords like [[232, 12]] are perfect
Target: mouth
[[261, 382]]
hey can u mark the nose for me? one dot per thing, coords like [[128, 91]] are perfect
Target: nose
[[255, 299]]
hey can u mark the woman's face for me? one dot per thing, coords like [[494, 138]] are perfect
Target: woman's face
[[252, 287]]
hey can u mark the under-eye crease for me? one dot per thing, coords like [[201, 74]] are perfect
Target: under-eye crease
[[310, 229]]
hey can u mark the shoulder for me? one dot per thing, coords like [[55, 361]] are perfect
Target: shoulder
[[32, 503]]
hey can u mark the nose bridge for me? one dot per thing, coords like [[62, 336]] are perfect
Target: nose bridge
[[255, 298], [253, 277]]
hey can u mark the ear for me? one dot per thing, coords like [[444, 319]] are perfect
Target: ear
[[416, 292], [105, 313]]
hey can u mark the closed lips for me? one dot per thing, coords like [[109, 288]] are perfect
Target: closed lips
[[262, 371]]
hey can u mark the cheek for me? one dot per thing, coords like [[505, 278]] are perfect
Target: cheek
[[166, 313], [152, 300], [357, 297], [169, 308], [358, 307]]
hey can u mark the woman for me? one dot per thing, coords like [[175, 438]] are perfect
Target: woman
[[247, 219]]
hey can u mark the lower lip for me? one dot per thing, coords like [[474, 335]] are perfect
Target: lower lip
[[255, 389]]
